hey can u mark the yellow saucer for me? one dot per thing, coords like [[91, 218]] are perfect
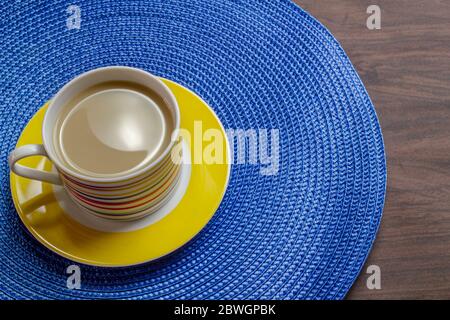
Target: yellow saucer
[[43, 216]]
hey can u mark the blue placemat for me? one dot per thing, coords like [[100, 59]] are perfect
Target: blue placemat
[[301, 233]]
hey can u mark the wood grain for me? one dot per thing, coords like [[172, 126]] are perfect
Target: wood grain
[[405, 67]]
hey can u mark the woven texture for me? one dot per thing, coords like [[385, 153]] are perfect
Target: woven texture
[[301, 234]]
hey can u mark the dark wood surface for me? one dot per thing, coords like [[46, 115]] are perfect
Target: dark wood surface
[[405, 67]]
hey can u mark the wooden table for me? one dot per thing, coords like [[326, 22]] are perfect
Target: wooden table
[[405, 67]]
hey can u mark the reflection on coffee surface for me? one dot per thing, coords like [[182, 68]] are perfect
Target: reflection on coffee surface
[[113, 128]]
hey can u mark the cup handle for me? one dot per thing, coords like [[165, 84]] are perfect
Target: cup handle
[[35, 174]]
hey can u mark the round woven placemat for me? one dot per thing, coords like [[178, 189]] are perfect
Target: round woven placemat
[[302, 233]]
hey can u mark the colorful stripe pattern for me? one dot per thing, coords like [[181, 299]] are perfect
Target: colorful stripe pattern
[[128, 199]]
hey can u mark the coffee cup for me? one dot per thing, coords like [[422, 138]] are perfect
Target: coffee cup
[[108, 133]]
